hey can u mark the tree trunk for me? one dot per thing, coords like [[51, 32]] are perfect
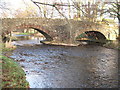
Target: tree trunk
[[119, 26], [118, 29]]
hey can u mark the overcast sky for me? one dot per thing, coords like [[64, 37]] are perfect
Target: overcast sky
[[15, 4], [22, 4]]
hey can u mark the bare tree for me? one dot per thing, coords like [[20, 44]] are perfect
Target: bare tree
[[3, 5], [69, 8], [114, 11], [55, 5], [4, 10], [87, 11], [28, 12]]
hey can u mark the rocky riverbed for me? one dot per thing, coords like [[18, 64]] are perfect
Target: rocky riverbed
[[88, 66]]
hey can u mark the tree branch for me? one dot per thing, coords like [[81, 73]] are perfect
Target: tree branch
[[52, 4], [36, 5], [60, 12], [78, 8]]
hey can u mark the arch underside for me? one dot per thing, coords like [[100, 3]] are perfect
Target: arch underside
[[48, 37], [94, 36]]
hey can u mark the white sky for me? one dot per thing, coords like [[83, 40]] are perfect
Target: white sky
[[15, 4], [18, 3], [21, 4]]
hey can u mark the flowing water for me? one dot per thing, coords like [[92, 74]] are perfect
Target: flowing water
[[49, 66]]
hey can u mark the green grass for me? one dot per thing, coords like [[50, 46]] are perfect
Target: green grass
[[13, 75], [4, 49], [7, 49], [25, 33]]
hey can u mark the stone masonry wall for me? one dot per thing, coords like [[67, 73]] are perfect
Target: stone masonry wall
[[59, 29]]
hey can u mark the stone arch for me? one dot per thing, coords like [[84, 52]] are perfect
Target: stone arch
[[47, 36], [98, 34], [38, 28], [91, 36]]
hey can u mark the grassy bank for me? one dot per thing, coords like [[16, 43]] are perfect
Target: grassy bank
[[13, 75]]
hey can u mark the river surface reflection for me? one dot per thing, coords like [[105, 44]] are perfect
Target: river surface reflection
[[27, 39], [68, 67], [47, 66]]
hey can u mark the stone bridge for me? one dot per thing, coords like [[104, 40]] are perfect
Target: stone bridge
[[57, 30]]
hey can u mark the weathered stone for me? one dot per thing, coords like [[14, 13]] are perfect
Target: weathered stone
[[58, 30]]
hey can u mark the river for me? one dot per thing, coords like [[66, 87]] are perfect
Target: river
[[50, 66]]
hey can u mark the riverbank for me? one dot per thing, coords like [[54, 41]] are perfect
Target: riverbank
[[113, 45], [57, 44], [13, 75], [110, 44]]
